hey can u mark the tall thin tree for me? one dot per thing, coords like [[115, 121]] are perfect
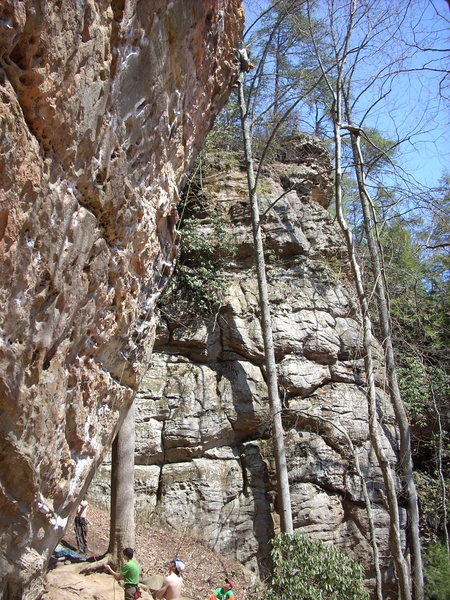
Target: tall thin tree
[[122, 526], [402, 569], [405, 457], [285, 509], [374, 23], [341, 44]]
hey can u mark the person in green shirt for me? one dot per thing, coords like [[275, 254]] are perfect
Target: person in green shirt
[[225, 592], [130, 573], [245, 65]]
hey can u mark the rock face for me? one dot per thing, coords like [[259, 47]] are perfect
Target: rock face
[[104, 104], [204, 462]]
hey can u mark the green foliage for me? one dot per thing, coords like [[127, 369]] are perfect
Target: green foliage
[[306, 569], [283, 49], [436, 236], [414, 389], [437, 573], [431, 498], [333, 270], [420, 296], [425, 392], [198, 284], [417, 268], [225, 137], [419, 311]]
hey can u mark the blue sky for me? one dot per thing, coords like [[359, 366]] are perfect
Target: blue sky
[[415, 106]]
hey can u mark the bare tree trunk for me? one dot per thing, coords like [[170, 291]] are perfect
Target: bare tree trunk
[[122, 528], [276, 91], [401, 566], [373, 539], [405, 457], [439, 461], [376, 556], [274, 399], [341, 48]]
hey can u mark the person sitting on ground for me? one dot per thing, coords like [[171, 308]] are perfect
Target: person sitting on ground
[[130, 573], [225, 592], [172, 584]]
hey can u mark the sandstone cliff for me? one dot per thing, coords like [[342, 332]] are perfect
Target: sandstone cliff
[[104, 104], [204, 461]]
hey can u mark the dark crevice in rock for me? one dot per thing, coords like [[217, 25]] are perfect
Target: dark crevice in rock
[[159, 491]]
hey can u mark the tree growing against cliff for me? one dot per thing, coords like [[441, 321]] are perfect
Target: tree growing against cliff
[[376, 255], [247, 103], [402, 569], [122, 526], [360, 67], [357, 31], [122, 533], [272, 381]]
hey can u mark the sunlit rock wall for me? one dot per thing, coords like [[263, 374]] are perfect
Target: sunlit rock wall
[[204, 458], [103, 106]]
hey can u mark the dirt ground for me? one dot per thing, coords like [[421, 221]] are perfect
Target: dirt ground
[[66, 583], [205, 570]]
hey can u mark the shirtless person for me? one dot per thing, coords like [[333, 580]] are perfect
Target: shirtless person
[[80, 524], [172, 584]]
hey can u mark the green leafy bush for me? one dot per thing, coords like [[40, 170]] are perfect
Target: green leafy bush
[[414, 389], [199, 284], [437, 573], [431, 498], [306, 569]]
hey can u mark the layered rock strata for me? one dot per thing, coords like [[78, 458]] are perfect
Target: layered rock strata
[[204, 460], [104, 104]]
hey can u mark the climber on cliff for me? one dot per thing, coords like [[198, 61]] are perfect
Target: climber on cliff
[[172, 584], [225, 592], [245, 65], [80, 525]]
